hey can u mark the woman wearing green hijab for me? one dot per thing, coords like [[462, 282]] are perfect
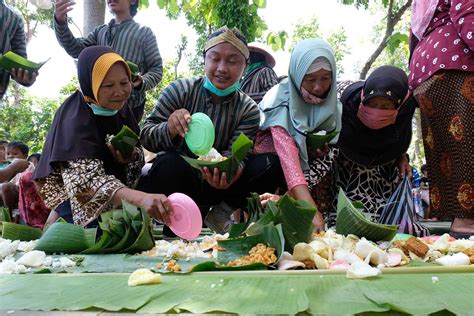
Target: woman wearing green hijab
[[305, 102]]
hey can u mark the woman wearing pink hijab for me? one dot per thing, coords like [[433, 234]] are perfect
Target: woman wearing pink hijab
[[442, 77]]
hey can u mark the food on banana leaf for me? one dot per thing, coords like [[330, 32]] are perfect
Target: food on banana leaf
[[258, 254], [33, 258], [240, 148], [362, 270], [212, 156], [173, 266], [458, 259], [142, 277], [416, 246], [125, 141], [319, 139]]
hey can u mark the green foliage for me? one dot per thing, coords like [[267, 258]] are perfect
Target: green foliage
[[28, 122], [277, 40], [304, 30]]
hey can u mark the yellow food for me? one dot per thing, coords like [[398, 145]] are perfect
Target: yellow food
[[173, 266], [260, 253], [143, 276]]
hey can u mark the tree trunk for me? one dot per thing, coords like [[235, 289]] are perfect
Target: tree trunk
[[94, 15], [392, 19]]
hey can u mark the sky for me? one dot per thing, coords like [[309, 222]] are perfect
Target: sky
[[278, 14]]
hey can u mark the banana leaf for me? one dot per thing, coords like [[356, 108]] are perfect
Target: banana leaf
[[5, 215], [120, 233], [12, 60], [235, 248], [350, 220], [262, 292], [314, 141], [240, 148], [14, 231], [296, 217], [133, 69], [254, 211], [125, 141]]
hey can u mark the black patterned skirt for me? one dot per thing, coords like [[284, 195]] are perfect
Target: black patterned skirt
[[447, 103]]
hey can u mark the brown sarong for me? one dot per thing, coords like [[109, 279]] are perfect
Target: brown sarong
[[447, 102]]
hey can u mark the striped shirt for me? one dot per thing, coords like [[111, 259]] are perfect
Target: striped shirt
[[12, 38], [258, 82], [239, 114], [134, 42]]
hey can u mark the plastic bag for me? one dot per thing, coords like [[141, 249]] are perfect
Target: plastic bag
[[400, 210]]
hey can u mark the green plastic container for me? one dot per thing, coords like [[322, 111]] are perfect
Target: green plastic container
[[125, 141], [201, 134], [11, 61]]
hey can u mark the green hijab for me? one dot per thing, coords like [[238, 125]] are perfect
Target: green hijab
[[284, 106]]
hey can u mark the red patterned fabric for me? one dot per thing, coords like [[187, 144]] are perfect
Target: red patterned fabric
[[32, 209]]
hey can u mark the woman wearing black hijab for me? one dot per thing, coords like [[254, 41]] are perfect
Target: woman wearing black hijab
[[376, 133], [77, 164]]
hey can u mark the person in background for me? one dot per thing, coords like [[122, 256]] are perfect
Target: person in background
[[12, 38], [34, 158], [259, 76], [376, 133], [9, 190], [305, 102], [425, 191], [76, 162], [232, 113], [134, 42], [442, 77]]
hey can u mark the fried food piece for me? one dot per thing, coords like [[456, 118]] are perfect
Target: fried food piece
[[470, 253], [416, 246], [260, 253], [309, 264], [173, 266]]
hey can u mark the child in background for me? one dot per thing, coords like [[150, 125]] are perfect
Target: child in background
[[9, 190], [34, 158]]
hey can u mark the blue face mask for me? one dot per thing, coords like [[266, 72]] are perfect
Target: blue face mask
[[220, 93], [98, 110]]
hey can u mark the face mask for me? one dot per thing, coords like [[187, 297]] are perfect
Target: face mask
[[376, 118], [98, 110], [310, 98], [220, 93]]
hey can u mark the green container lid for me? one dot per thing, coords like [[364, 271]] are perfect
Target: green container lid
[[200, 136]]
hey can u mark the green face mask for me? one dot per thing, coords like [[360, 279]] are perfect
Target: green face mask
[[220, 93], [98, 110]]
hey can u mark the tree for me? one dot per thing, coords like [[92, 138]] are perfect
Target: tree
[[394, 12], [310, 29], [94, 15]]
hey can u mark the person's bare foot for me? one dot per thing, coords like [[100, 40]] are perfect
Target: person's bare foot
[[463, 225]]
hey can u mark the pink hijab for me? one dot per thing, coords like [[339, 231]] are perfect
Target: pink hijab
[[422, 12]]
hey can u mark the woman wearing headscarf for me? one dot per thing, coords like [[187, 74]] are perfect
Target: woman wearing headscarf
[[259, 76], [303, 103], [232, 112], [442, 77], [76, 163], [376, 133]]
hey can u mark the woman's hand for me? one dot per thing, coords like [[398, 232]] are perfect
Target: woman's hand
[[158, 207], [136, 84], [318, 222], [61, 8], [23, 76], [219, 181], [178, 123], [404, 167], [264, 198], [118, 156], [319, 152]]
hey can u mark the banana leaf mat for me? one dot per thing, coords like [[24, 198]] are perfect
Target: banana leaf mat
[[267, 292]]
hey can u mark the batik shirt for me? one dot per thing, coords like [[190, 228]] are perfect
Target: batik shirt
[[85, 183], [257, 83]]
